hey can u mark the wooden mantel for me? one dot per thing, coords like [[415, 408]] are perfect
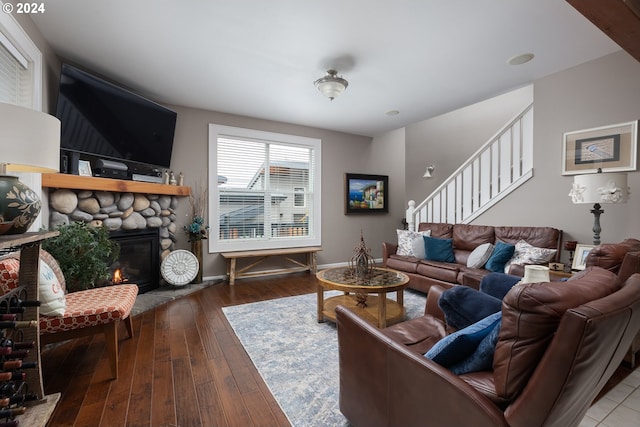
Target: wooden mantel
[[61, 180]]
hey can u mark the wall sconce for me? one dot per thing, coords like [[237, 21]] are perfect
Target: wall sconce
[[599, 188], [429, 171]]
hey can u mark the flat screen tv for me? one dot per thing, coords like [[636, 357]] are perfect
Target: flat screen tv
[[104, 120]]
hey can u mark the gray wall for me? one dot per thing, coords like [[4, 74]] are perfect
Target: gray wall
[[602, 92]]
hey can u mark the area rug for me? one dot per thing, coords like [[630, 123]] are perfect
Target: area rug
[[298, 357]]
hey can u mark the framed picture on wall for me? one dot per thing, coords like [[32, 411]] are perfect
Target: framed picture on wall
[[611, 148], [366, 193]]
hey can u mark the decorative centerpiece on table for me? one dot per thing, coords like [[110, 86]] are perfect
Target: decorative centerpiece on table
[[361, 267], [197, 230]]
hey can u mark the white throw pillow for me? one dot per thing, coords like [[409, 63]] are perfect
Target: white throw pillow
[[406, 242], [418, 245], [526, 253], [480, 255], [51, 294]]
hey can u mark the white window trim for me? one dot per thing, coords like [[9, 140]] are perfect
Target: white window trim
[[20, 40], [217, 245]]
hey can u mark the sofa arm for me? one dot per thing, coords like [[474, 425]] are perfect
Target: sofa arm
[[383, 383], [388, 249], [630, 265], [432, 307]]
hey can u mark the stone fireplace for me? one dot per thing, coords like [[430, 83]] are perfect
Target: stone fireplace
[[146, 212]]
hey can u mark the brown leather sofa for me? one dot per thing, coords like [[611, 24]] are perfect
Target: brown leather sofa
[[466, 237], [622, 259], [558, 345]]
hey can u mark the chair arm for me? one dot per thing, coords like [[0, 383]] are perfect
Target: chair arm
[[383, 383], [388, 249]]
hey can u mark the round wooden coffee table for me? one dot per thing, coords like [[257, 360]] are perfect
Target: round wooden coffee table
[[376, 309]]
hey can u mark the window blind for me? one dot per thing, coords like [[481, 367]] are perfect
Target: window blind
[[15, 75]]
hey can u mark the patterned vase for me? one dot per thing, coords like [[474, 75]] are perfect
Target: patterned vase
[[196, 249], [19, 205]]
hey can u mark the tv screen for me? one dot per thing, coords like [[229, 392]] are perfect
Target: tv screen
[[107, 121]]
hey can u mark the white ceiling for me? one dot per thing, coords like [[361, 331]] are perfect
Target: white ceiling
[[259, 58]]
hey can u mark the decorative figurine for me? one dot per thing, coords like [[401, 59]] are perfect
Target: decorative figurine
[[172, 179]]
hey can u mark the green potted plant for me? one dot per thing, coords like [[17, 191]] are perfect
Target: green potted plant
[[84, 253]]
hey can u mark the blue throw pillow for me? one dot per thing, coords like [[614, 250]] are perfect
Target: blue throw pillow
[[438, 249], [482, 358], [463, 306], [502, 253], [457, 347]]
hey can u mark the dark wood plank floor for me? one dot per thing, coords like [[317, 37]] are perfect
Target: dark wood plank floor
[[184, 367]]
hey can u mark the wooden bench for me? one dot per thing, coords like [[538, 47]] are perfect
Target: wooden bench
[[262, 254]]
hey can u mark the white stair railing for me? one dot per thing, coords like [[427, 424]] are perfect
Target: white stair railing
[[497, 168]]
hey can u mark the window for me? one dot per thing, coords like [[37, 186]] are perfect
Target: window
[[20, 66], [299, 197], [266, 190]]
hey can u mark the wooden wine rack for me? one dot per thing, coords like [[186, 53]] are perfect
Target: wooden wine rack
[[28, 244]]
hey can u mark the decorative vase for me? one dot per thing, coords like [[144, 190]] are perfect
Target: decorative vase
[[19, 205], [196, 249]]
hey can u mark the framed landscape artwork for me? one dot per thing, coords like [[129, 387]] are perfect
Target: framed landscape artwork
[[366, 193], [611, 148], [580, 257]]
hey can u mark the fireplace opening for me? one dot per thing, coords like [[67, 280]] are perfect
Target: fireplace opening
[[139, 260]]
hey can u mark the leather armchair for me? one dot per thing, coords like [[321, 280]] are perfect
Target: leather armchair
[[386, 382]]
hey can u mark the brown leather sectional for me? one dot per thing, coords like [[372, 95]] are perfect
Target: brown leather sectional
[[558, 345], [466, 237]]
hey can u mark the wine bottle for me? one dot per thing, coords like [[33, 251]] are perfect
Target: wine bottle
[[8, 316], [12, 376], [18, 324], [12, 354], [12, 412], [17, 398], [10, 423], [10, 365]]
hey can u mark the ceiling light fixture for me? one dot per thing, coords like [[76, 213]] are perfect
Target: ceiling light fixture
[[331, 85]]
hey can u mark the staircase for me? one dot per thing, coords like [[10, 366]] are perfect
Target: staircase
[[500, 166]]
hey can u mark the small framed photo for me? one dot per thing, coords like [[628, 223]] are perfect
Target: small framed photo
[[611, 148], [84, 168], [366, 193], [580, 256]]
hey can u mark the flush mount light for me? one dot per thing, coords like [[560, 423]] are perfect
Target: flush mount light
[[521, 59], [392, 113], [331, 85]]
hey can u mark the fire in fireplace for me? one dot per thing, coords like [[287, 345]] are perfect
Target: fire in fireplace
[[139, 260]]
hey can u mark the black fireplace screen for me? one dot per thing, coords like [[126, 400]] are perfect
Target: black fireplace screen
[[139, 260]]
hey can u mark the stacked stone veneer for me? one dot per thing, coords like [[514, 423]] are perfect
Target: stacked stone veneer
[[116, 211]]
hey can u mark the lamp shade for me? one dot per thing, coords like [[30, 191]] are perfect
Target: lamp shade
[[30, 142], [600, 188], [331, 85]]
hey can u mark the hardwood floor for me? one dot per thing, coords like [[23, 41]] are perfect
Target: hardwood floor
[[184, 367]]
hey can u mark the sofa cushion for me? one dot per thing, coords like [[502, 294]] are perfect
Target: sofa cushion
[[541, 237], [502, 253], [438, 229], [463, 306], [443, 271], [460, 345], [480, 255], [402, 263], [406, 242], [467, 237], [438, 249], [531, 313], [418, 245], [526, 253]]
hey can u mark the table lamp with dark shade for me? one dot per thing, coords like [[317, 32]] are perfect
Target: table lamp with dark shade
[[599, 188], [29, 142]]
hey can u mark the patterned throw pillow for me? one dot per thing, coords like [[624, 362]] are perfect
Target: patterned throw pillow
[[529, 254], [406, 242], [9, 272], [51, 293]]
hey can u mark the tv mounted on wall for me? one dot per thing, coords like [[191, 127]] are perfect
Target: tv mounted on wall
[[101, 120]]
